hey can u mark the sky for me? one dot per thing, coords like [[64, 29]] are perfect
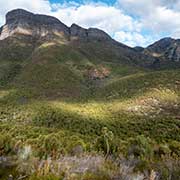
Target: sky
[[132, 22]]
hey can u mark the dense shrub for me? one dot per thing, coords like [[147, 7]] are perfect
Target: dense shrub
[[175, 148], [141, 147], [6, 144], [106, 142]]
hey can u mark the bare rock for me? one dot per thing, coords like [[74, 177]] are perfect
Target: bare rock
[[97, 34], [78, 32], [166, 48], [20, 21]]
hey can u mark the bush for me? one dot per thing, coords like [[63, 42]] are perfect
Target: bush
[[175, 148], [141, 147], [6, 144], [106, 142]]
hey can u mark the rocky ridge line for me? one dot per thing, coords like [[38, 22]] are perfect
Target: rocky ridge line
[[20, 21]]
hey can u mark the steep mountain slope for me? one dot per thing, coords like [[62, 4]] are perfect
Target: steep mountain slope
[[33, 46]]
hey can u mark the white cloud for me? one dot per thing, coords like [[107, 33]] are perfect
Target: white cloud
[[176, 34], [36, 6], [107, 18], [158, 15], [132, 38]]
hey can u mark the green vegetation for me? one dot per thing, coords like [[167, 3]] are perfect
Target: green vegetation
[[67, 101]]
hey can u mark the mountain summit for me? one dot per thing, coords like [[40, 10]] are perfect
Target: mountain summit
[[20, 21]]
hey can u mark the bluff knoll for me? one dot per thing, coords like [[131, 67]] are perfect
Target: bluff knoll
[[20, 21], [39, 28]]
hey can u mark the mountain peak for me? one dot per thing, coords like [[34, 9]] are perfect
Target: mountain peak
[[21, 14], [15, 14], [20, 21], [166, 49]]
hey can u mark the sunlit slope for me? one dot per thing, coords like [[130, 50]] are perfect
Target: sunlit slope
[[143, 103], [138, 84]]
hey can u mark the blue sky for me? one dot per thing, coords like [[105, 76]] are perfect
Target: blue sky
[[109, 2], [133, 22]]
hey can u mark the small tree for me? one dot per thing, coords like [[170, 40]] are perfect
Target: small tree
[[105, 141]]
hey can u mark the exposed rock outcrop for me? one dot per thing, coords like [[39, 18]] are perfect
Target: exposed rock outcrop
[[21, 15], [20, 21], [166, 49], [94, 33], [77, 32]]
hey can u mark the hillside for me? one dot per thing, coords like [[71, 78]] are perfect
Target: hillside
[[70, 92]]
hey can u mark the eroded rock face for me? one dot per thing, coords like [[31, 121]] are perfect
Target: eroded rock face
[[20, 21], [23, 22], [77, 32], [94, 33], [22, 15]]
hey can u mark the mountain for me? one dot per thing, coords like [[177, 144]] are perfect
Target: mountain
[[34, 45], [23, 22], [46, 28], [167, 48], [74, 98], [166, 51]]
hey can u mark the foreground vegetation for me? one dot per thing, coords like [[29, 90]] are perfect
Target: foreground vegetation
[[134, 129], [65, 113]]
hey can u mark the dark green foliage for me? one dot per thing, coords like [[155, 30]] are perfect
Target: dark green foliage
[[9, 73], [6, 144], [175, 147], [141, 147], [106, 142]]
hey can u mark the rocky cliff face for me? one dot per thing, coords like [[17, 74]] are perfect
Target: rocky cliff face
[[166, 49], [23, 22], [20, 21], [77, 32]]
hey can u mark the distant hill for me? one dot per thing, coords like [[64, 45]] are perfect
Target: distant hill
[[166, 51]]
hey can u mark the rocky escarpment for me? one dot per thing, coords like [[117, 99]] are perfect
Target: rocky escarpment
[[165, 49], [43, 28], [20, 21], [77, 32]]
